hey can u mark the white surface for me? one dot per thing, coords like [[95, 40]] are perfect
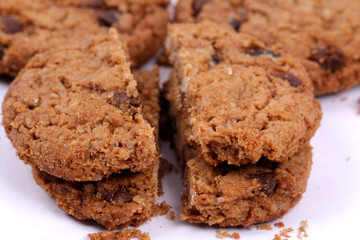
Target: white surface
[[330, 204]]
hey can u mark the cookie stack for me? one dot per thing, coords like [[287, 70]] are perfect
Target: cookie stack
[[77, 113], [244, 116]]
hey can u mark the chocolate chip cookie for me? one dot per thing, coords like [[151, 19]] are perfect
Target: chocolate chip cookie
[[122, 198], [240, 100], [75, 113], [227, 195], [29, 27], [323, 35]]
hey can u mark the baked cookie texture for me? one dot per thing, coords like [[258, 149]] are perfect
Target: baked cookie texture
[[324, 35], [30, 27], [240, 101], [75, 113], [227, 195], [123, 198]]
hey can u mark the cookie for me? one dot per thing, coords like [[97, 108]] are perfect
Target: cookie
[[227, 195], [323, 35], [27, 28], [240, 100], [75, 113], [122, 198]]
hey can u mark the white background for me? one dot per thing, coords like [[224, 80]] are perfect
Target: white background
[[330, 204]]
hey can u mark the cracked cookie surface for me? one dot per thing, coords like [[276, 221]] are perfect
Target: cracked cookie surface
[[239, 99], [75, 112], [324, 35]]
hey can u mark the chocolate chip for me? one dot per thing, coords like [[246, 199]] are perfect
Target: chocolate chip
[[215, 58], [268, 182], [291, 78], [2, 51], [122, 194], [260, 51], [11, 25], [329, 58], [106, 196], [235, 23], [109, 17], [95, 87], [120, 98], [198, 5], [96, 3]]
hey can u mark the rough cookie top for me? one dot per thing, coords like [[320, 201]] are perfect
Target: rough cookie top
[[324, 35], [75, 113], [241, 101], [23, 24]]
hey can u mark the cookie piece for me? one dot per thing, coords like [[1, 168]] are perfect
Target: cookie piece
[[141, 24], [240, 100], [75, 112], [323, 35], [227, 195], [123, 198]]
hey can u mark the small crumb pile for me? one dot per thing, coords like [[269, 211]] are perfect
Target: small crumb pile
[[126, 234], [162, 209], [302, 230], [264, 227], [226, 234], [284, 233], [279, 224]]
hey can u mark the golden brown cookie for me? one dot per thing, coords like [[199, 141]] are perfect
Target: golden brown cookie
[[324, 35], [29, 27], [240, 101], [75, 113]]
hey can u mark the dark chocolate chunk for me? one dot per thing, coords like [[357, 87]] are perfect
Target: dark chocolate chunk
[[329, 58], [109, 17], [122, 194], [11, 25], [2, 51], [260, 51], [106, 196], [120, 98], [198, 5], [235, 23], [268, 182], [96, 3], [215, 58], [291, 78]]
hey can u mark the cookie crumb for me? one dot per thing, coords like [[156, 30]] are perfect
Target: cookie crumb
[[222, 235], [302, 229], [264, 227], [277, 237], [235, 235], [252, 226], [284, 232], [348, 159], [162, 209], [279, 224], [343, 99], [171, 215], [126, 234]]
